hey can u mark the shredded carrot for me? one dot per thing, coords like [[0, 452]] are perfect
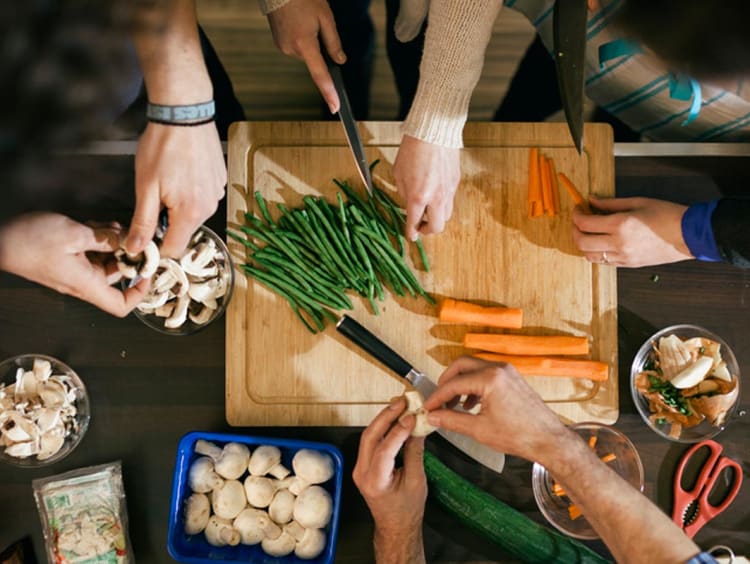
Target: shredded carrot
[[527, 344], [553, 184], [609, 457], [551, 366], [456, 311], [558, 490], [535, 183], [592, 441], [574, 511], [574, 193], [547, 204]]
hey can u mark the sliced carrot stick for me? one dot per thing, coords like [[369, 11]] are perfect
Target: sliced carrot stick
[[527, 344], [456, 311], [609, 457], [592, 441], [546, 186], [547, 366], [574, 511], [535, 183], [573, 191], [554, 186]]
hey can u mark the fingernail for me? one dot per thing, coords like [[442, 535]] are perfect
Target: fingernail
[[135, 242], [340, 57], [405, 421], [394, 403]]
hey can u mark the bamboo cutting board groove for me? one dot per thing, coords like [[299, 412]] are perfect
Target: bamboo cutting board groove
[[280, 374]]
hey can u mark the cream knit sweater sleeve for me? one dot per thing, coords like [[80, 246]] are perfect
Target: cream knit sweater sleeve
[[268, 6], [457, 35]]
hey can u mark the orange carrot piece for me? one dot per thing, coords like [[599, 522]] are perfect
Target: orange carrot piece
[[574, 511], [553, 184], [558, 490], [609, 457], [456, 311], [548, 366], [592, 441], [527, 344], [574, 193], [535, 183], [547, 205]]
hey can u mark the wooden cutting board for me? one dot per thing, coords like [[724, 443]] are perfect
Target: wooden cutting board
[[280, 374]]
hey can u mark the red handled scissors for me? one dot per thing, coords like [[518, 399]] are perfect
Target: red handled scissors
[[692, 509]]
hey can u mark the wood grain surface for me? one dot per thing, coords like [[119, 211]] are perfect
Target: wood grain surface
[[491, 252]]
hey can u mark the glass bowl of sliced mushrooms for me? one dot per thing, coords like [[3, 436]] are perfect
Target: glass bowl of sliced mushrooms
[[187, 293], [44, 410], [685, 383]]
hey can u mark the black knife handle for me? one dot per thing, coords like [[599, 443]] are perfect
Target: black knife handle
[[362, 337]]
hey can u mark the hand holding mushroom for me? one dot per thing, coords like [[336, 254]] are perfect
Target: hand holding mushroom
[[69, 257], [395, 496]]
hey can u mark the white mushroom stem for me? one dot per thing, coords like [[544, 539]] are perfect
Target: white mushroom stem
[[297, 485], [197, 512], [279, 472], [207, 448], [220, 532], [228, 499]]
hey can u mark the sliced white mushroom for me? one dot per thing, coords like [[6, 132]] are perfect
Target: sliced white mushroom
[[42, 369], [166, 310], [197, 261], [51, 442], [53, 393], [693, 373], [150, 260], [179, 315], [22, 450], [153, 302], [202, 317]]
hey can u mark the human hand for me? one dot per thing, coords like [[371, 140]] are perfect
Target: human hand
[[396, 496], [427, 176], [69, 257], [295, 27], [181, 169], [513, 418], [634, 232]]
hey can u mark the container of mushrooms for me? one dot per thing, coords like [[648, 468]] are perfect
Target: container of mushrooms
[[187, 293], [240, 498]]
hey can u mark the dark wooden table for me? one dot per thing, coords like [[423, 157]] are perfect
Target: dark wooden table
[[148, 389]]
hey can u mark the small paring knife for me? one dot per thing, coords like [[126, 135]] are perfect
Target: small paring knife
[[371, 344], [348, 121]]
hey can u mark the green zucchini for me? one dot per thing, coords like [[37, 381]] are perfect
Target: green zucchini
[[517, 535]]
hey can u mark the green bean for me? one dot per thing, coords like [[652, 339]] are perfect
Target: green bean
[[273, 287], [247, 242], [423, 255], [263, 208]]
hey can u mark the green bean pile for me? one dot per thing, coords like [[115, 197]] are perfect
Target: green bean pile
[[312, 255]]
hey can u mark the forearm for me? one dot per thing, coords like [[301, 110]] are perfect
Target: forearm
[[170, 54], [456, 38], [402, 547], [633, 528]]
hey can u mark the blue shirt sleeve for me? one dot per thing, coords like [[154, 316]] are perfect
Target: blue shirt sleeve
[[702, 558], [698, 233]]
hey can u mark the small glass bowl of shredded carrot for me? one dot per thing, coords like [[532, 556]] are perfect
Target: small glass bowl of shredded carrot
[[614, 449]]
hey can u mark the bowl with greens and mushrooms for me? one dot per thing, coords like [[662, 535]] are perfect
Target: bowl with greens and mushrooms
[[685, 382]]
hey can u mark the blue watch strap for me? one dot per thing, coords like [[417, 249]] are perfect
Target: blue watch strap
[[698, 233]]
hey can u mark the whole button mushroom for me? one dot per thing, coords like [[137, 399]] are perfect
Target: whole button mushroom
[[220, 532], [254, 525], [414, 407], [311, 545], [197, 512], [201, 477], [263, 459], [229, 499], [230, 462], [310, 467], [259, 491], [281, 546], [282, 507], [313, 508]]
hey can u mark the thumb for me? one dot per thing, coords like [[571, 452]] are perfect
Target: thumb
[[451, 420], [411, 16], [613, 205], [145, 219], [100, 240]]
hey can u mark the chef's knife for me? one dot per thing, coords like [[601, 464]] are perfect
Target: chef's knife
[[349, 123], [569, 40], [364, 339]]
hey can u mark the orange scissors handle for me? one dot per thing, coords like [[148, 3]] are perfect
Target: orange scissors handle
[[707, 478]]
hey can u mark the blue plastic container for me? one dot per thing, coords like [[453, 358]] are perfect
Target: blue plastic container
[[194, 549]]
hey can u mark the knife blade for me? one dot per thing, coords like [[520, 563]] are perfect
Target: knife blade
[[367, 341], [350, 124], [569, 41]]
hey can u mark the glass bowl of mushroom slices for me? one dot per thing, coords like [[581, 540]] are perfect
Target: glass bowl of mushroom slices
[[44, 410], [240, 498], [685, 383], [189, 293]]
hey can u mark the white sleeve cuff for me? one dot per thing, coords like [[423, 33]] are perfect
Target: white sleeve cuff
[[268, 6]]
